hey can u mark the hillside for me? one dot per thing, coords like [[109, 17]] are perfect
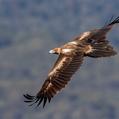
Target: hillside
[[28, 30]]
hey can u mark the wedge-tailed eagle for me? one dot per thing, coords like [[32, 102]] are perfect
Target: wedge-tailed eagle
[[71, 55]]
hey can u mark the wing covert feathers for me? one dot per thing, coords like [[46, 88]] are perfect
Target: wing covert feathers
[[57, 79]]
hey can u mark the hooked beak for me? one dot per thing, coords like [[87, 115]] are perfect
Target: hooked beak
[[51, 51]]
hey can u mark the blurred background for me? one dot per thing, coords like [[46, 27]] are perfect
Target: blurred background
[[28, 30]]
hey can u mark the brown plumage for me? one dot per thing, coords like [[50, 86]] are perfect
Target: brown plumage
[[92, 44]]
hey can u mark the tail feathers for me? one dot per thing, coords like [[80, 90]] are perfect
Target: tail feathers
[[102, 51]]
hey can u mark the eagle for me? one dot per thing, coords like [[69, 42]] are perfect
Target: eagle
[[92, 43]]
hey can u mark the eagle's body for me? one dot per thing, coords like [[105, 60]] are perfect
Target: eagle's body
[[89, 44]]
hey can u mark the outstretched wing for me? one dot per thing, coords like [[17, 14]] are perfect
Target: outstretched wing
[[101, 33], [58, 78]]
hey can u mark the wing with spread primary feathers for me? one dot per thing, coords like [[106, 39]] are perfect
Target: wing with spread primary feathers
[[101, 33], [57, 79]]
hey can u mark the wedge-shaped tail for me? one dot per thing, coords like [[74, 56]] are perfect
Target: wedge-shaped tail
[[102, 49]]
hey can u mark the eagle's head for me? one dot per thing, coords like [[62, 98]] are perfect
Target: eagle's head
[[55, 51]]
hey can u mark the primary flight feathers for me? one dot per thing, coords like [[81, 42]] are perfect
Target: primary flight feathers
[[92, 44]]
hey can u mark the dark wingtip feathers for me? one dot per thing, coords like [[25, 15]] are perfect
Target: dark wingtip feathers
[[36, 99], [115, 21], [29, 97]]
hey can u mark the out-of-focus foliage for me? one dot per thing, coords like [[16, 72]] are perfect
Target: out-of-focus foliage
[[28, 29]]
